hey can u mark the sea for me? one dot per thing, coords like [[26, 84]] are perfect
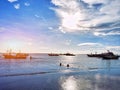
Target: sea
[[44, 72]]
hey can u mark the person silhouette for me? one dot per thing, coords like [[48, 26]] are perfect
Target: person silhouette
[[30, 57], [60, 64], [68, 65]]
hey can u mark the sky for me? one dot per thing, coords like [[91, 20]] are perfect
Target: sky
[[75, 26]]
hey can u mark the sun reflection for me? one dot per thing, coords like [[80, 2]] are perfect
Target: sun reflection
[[75, 83], [67, 59], [70, 84]]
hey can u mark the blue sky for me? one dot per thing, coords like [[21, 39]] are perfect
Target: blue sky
[[77, 26]]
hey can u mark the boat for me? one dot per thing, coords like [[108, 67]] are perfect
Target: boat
[[107, 55], [94, 55], [100, 55], [10, 55], [53, 54], [111, 57], [69, 54]]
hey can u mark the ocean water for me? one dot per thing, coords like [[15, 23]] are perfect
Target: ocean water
[[44, 73]]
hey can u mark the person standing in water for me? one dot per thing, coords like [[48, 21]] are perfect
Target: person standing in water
[[60, 64], [68, 65]]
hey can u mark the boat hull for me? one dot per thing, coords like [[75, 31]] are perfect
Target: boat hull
[[110, 57], [16, 56], [53, 54], [94, 55], [69, 54]]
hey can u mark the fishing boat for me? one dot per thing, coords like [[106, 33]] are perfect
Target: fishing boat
[[111, 57], [69, 54], [10, 55], [100, 55], [53, 54], [107, 55]]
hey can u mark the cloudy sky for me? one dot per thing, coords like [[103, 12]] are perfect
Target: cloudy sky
[[77, 26]]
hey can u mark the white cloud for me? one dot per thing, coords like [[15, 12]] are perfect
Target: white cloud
[[12, 1], [27, 4], [37, 16], [98, 47], [91, 47], [17, 6], [90, 44], [77, 15], [62, 30], [50, 28], [106, 34], [96, 1]]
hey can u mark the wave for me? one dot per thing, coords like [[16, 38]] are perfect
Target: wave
[[24, 74]]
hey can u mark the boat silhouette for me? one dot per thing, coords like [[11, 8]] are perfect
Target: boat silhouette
[[69, 54], [53, 54], [107, 55]]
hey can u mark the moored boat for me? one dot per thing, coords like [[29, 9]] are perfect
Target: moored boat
[[69, 54], [107, 55], [53, 54], [100, 55], [111, 57], [10, 55]]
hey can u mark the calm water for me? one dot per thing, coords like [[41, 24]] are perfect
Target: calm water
[[44, 73]]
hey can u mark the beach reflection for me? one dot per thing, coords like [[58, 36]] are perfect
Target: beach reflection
[[87, 82], [69, 83], [67, 59], [73, 83]]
